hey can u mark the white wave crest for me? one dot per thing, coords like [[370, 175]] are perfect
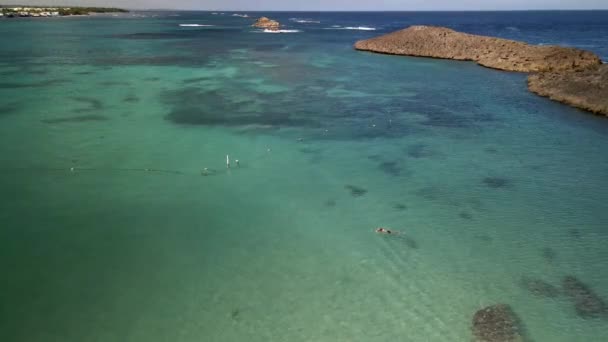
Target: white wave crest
[[281, 31], [360, 28], [195, 25], [304, 21], [240, 15]]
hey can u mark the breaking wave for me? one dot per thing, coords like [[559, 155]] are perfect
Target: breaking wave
[[360, 28], [194, 25], [281, 31], [304, 21]]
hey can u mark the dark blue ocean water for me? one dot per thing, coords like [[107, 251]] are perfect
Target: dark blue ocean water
[[119, 220]]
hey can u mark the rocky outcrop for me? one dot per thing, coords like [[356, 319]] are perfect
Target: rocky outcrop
[[585, 89], [267, 24], [496, 323], [497, 53], [568, 75]]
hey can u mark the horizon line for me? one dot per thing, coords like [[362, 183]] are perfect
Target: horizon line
[[375, 11]]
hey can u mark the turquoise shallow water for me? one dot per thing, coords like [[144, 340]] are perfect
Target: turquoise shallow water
[[488, 184]]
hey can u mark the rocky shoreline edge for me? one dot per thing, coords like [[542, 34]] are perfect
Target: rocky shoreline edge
[[568, 75]]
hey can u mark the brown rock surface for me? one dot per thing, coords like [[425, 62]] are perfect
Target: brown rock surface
[[586, 89], [497, 53], [266, 23], [572, 76]]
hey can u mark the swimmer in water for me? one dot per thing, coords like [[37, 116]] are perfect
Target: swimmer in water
[[381, 230]]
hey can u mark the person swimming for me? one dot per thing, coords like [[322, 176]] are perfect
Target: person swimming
[[382, 230]]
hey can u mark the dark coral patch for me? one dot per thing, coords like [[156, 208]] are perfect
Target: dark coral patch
[[419, 151], [82, 118], [411, 243], [131, 99], [399, 206], [539, 288], [41, 84], [496, 323], [465, 215], [93, 104], [497, 182], [586, 302], [9, 108], [196, 107], [330, 203], [549, 254], [356, 191], [430, 193], [390, 168], [485, 238], [575, 233]]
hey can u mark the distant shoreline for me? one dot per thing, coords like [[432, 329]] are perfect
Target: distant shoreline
[[18, 11]]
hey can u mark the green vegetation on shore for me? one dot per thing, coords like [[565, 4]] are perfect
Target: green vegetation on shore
[[87, 10], [58, 10]]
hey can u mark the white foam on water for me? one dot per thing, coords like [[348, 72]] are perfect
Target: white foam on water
[[304, 21], [195, 25], [281, 31], [360, 28], [240, 15]]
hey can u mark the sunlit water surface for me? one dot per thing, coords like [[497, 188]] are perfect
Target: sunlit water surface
[[120, 221]]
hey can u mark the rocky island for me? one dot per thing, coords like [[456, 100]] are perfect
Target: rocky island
[[572, 76], [267, 24]]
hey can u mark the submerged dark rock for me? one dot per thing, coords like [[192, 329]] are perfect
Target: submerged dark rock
[[214, 108], [485, 238], [496, 182], [131, 99], [355, 191], [400, 206], [94, 104], [391, 168], [539, 288], [411, 243], [8, 108], [586, 302], [496, 323], [465, 215], [575, 233], [40, 84], [549, 254], [81, 118], [419, 151]]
